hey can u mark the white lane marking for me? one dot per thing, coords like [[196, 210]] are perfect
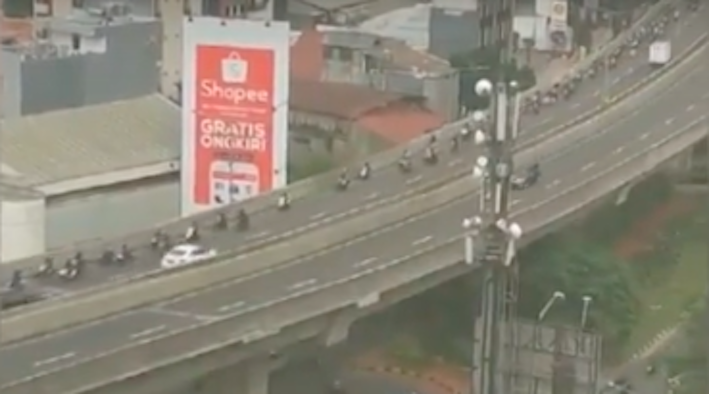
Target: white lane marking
[[302, 284], [231, 307], [318, 216], [669, 121], [551, 185], [705, 96], [365, 262], [690, 108], [372, 196], [414, 180], [575, 105], [54, 360], [422, 241], [184, 315], [588, 166], [596, 93], [147, 332], [262, 234], [644, 136], [618, 150], [516, 202], [454, 163]]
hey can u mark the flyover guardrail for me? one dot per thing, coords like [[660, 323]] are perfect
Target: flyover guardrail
[[300, 189], [360, 290]]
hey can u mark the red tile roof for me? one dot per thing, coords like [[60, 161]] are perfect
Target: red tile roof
[[20, 29], [339, 100], [306, 55], [400, 122]]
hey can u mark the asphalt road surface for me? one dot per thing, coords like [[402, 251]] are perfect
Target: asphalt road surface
[[319, 210], [671, 109]]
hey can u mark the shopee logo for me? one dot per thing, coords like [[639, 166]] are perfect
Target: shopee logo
[[235, 94]]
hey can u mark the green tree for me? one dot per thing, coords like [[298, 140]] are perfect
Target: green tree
[[578, 268]]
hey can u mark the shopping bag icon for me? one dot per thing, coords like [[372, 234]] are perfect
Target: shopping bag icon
[[234, 69]]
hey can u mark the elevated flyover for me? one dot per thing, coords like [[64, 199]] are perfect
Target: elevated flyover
[[342, 265], [317, 210], [321, 294]]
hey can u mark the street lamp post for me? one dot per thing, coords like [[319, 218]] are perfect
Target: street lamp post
[[584, 312], [557, 296]]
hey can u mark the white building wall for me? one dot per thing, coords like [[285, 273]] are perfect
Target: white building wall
[[22, 231], [110, 214]]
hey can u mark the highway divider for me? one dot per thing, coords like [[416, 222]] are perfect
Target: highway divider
[[305, 187], [58, 314], [116, 365]]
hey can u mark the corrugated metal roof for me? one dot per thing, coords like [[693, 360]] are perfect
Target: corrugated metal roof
[[410, 24], [69, 144]]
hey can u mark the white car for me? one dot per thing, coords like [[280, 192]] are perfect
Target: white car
[[186, 254]]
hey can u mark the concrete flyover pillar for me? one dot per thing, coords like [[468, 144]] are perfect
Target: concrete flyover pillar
[[257, 376], [339, 329]]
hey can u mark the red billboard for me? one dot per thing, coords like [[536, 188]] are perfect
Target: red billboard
[[235, 131], [233, 127]]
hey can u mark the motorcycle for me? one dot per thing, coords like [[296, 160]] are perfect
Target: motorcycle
[[72, 270], [365, 171], [222, 222], [284, 202], [124, 255], [430, 157], [343, 183], [46, 268], [455, 144], [192, 234], [404, 165], [242, 221]]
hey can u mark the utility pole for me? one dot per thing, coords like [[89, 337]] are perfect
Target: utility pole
[[491, 236]]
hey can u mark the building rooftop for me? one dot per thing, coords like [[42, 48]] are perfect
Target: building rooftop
[[339, 100], [397, 54], [59, 146]]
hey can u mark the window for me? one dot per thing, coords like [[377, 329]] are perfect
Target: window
[[75, 42], [43, 8], [77, 3]]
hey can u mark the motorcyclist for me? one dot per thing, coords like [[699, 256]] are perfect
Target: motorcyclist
[[192, 233], [16, 281], [284, 201], [343, 181], [465, 133], [365, 171], [47, 266], [123, 255], [430, 155], [222, 222], [405, 161], [455, 143], [156, 239], [242, 220]]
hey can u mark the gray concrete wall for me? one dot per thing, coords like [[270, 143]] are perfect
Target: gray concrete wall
[[11, 91], [453, 31], [128, 69], [103, 215]]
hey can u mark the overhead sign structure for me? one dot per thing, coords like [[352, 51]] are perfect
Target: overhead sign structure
[[234, 110]]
